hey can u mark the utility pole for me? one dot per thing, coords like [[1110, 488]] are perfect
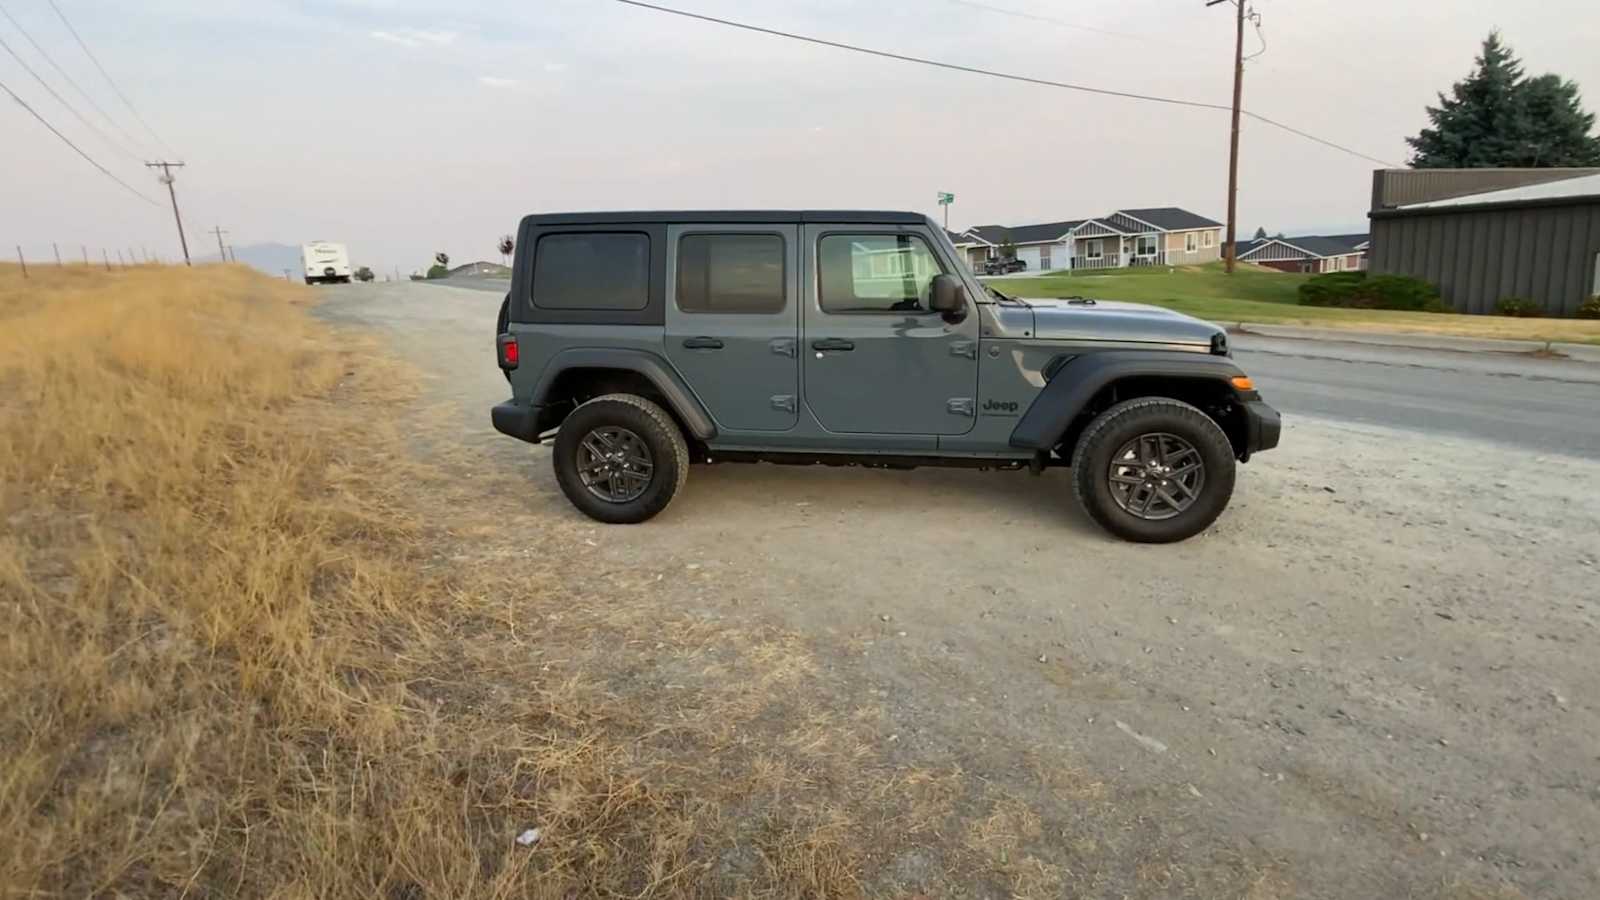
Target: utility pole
[[167, 179], [222, 252], [232, 257], [1229, 244]]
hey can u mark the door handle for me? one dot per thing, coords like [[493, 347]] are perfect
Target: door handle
[[702, 343], [832, 344]]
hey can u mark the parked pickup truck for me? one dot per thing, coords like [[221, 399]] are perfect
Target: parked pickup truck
[[642, 343]]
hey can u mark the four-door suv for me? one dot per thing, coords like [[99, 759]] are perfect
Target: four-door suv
[[648, 341], [1003, 266]]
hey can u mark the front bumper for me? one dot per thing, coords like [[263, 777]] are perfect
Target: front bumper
[[1263, 425]]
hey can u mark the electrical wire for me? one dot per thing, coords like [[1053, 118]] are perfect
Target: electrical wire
[[1036, 17], [70, 108], [973, 70], [132, 141], [68, 141], [107, 75]]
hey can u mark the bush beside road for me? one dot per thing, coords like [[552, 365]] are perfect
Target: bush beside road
[[1258, 294]]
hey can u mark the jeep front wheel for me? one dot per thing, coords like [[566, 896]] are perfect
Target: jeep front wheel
[[1153, 470], [620, 459]]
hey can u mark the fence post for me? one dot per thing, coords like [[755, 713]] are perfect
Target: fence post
[[22, 262], [85, 251], [57, 250], [106, 257], [120, 263]]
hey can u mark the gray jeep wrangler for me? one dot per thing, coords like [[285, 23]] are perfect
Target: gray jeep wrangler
[[647, 341]]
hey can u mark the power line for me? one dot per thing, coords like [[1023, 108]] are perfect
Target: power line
[[973, 70], [68, 141], [68, 78], [63, 101], [1036, 17], [107, 75]]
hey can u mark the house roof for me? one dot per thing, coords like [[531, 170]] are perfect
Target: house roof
[[1582, 186], [1314, 245], [1170, 218], [1353, 241]]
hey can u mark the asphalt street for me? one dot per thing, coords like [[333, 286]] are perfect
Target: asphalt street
[[1542, 405]]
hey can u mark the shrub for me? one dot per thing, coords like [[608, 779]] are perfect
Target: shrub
[[1590, 308], [1355, 290], [1520, 307], [437, 271]]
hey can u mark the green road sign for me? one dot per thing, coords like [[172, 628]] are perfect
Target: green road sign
[[946, 199]]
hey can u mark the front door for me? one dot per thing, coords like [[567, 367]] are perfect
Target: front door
[[733, 321], [875, 359]]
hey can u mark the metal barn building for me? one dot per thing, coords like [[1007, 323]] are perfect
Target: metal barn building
[[1485, 234]]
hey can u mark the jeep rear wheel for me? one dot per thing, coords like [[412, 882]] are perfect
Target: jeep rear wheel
[[1153, 470], [620, 458]]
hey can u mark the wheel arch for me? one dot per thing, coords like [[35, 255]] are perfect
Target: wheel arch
[[1081, 387], [575, 375]]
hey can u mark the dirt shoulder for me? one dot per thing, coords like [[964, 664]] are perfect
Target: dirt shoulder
[[1365, 679]]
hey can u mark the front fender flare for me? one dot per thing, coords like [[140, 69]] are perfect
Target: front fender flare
[[1075, 382], [684, 403]]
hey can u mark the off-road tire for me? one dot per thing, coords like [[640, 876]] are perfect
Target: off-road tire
[[1114, 428], [668, 450]]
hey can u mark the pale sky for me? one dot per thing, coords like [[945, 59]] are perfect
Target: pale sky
[[401, 127]]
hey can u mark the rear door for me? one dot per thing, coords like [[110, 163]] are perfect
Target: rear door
[[733, 321], [875, 359]]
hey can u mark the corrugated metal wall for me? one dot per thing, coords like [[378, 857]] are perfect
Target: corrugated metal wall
[[1476, 258], [1398, 187]]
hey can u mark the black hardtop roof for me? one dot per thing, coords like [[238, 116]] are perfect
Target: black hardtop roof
[[732, 216]]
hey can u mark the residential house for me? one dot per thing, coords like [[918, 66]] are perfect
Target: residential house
[[1128, 237], [1308, 253]]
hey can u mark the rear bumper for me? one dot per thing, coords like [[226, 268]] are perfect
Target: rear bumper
[[1263, 425], [524, 422]]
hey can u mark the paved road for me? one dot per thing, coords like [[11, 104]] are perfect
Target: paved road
[[1546, 406]]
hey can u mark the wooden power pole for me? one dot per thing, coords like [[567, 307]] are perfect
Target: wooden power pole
[[167, 179], [1229, 241], [222, 252]]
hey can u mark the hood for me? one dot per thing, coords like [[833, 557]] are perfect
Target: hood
[[1110, 320]]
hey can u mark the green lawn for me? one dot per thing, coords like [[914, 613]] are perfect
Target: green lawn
[[1257, 294]]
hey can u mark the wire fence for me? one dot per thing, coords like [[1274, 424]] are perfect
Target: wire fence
[[33, 257]]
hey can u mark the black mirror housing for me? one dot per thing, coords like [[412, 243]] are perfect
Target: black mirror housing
[[947, 296]]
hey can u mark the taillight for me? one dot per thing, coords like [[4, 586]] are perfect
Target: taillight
[[510, 354]]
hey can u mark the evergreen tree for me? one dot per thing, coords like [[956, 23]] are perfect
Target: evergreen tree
[[1261, 234], [1496, 117]]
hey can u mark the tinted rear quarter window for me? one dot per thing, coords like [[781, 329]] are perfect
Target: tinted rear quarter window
[[592, 270], [730, 273]]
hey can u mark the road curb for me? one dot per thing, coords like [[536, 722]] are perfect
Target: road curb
[[1581, 352]]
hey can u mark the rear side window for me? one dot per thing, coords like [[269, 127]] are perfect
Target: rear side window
[[730, 273], [592, 270], [874, 273]]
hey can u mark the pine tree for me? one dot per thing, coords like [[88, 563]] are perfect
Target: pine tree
[[1496, 117], [1476, 124], [1555, 127], [1261, 234]]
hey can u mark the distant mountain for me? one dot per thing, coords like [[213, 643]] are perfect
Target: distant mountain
[[269, 258]]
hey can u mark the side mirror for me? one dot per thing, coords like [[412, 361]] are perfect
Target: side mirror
[[947, 296]]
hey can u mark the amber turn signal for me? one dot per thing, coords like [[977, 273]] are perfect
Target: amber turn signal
[[1243, 383]]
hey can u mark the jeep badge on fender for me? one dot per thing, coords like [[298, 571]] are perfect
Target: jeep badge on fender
[[640, 343]]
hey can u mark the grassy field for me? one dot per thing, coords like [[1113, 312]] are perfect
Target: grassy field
[[1258, 294]]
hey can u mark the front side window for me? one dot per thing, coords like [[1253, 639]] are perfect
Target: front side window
[[730, 273], [1191, 242], [592, 270], [1147, 245], [1094, 249], [1209, 238], [874, 273]]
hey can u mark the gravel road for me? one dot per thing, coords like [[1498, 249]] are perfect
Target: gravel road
[[1378, 668]]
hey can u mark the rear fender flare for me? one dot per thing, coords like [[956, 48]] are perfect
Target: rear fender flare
[[666, 380], [1075, 381]]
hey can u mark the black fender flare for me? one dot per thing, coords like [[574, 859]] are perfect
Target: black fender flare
[[1075, 380], [684, 403]]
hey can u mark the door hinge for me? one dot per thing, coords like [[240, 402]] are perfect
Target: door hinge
[[969, 349], [784, 402], [784, 346], [959, 406]]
